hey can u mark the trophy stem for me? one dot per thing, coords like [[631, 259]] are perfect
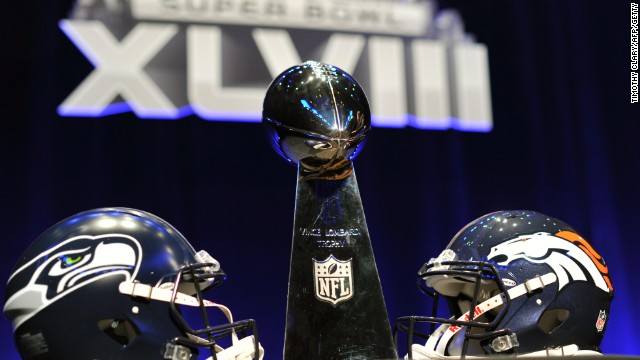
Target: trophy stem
[[335, 306]]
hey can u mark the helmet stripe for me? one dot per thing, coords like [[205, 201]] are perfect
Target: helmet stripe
[[597, 260]]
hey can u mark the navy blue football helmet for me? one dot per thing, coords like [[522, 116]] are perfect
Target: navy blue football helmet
[[120, 283], [515, 283]]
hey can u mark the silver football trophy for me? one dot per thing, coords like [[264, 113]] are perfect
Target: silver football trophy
[[317, 117]]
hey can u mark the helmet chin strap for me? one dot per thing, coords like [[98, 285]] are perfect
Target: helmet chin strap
[[438, 342], [240, 350]]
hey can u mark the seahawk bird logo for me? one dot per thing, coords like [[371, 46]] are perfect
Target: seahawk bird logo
[[68, 266], [567, 253]]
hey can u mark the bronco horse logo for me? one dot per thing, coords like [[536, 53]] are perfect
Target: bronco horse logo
[[568, 254]]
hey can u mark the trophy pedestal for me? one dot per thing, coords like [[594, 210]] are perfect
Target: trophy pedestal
[[335, 307]]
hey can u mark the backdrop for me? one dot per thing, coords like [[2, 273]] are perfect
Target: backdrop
[[564, 143]]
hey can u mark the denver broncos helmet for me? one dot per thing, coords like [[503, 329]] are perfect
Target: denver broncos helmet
[[516, 282], [120, 283]]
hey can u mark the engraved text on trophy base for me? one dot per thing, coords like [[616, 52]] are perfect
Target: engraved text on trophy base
[[331, 238]]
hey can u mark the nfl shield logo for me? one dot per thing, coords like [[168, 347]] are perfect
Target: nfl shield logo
[[602, 319], [333, 281]]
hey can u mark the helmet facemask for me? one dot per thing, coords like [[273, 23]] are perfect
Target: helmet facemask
[[184, 291], [466, 287]]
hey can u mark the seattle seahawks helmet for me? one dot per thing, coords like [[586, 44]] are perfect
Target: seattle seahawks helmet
[[516, 282], [120, 283]]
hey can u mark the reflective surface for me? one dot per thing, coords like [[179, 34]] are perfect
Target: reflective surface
[[335, 305], [317, 116], [496, 260]]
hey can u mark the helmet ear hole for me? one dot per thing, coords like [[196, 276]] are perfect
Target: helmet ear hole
[[552, 319], [121, 331]]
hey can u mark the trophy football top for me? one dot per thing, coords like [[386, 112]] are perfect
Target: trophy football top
[[317, 116]]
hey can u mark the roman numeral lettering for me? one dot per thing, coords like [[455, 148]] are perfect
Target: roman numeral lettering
[[449, 86], [118, 70]]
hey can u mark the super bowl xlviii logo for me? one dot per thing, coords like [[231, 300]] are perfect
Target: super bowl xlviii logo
[[333, 280], [166, 59]]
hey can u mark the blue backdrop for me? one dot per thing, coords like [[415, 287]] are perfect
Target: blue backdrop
[[564, 143]]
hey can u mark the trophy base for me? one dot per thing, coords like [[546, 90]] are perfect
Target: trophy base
[[335, 306]]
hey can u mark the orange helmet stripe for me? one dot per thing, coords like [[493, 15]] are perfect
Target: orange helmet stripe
[[590, 251]]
